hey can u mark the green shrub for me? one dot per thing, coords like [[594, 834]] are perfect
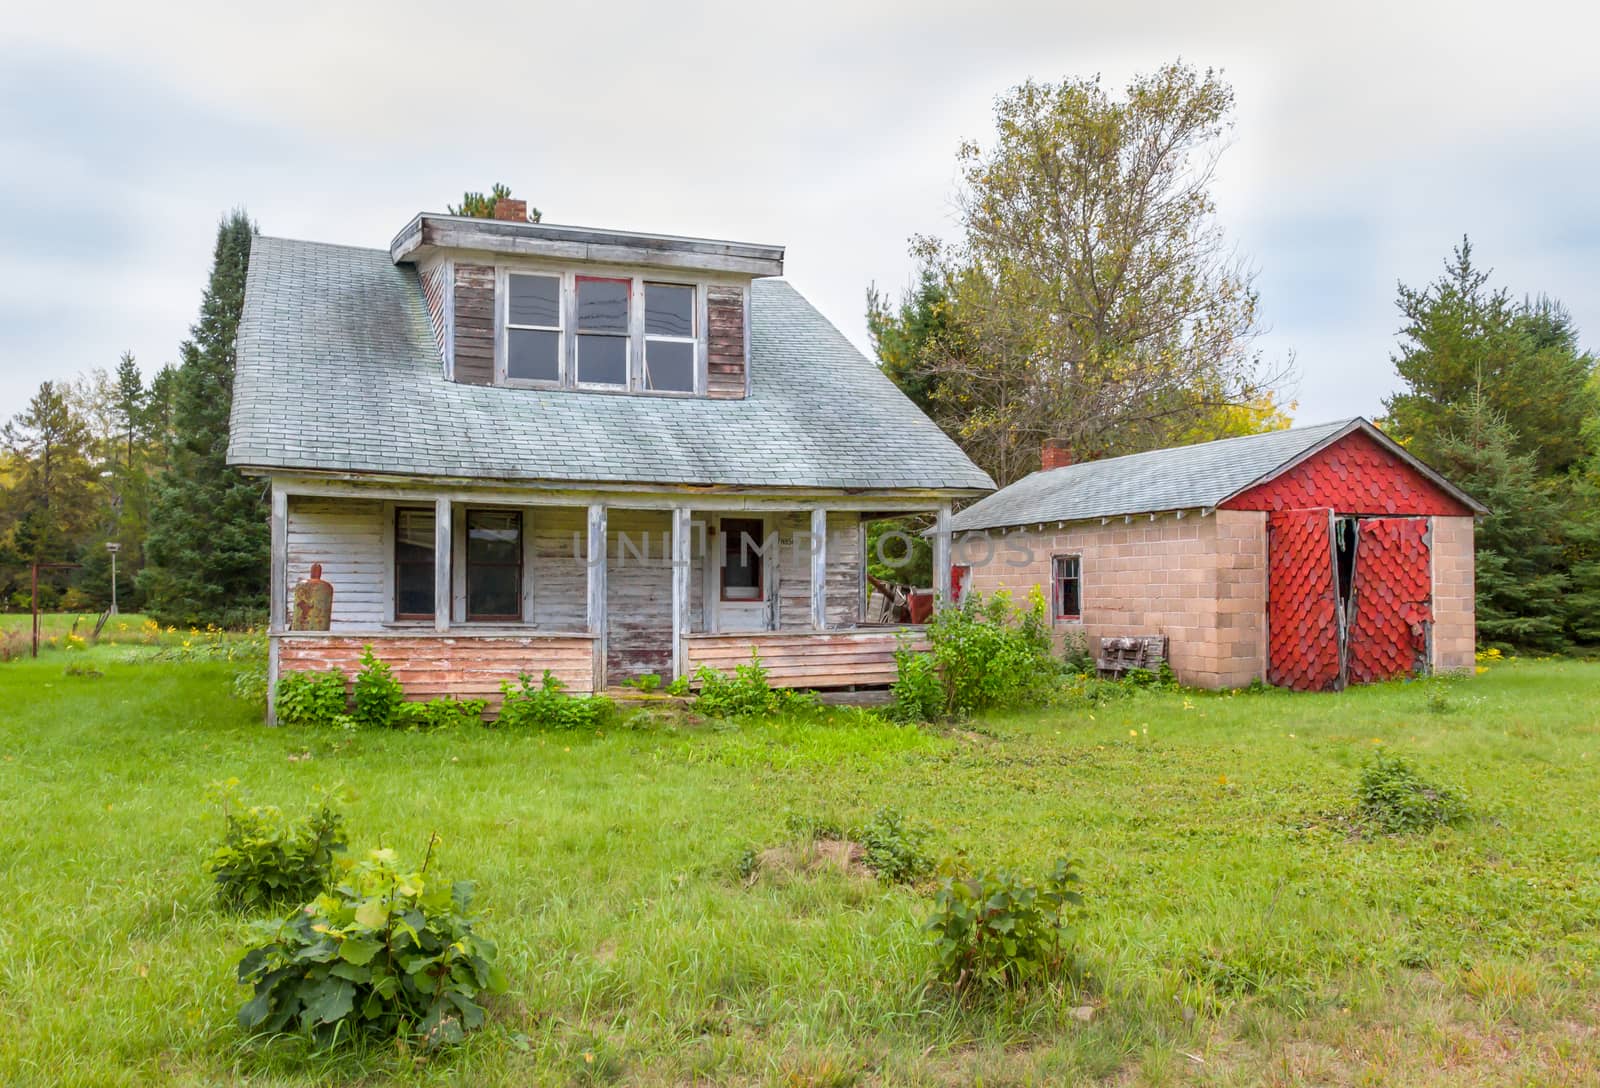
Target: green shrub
[[250, 684], [918, 694], [312, 698], [999, 930], [893, 850], [746, 694], [1076, 656], [384, 953], [377, 695], [647, 683], [547, 705], [267, 859], [679, 687], [1393, 798], [988, 655], [441, 713]]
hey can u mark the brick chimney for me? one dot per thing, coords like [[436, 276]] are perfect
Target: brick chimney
[[514, 210], [1055, 453]]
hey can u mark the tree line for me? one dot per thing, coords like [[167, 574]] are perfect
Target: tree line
[[111, 458]]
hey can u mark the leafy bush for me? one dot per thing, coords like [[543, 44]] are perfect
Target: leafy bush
[[312, 698], [746, 694], [893, 850], [377, 695], [384, 953], [918, 695], [1392, 797], [441, 713], [267, 859], [250, 684], [1076, 656], [1000, 930], [986, 655], [647, 683], [678, 687], [547, 705]]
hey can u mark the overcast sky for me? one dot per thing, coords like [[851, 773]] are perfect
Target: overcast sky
[[1368, 139]]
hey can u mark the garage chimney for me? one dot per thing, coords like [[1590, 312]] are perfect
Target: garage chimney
[[514, 210], [1055, 453]]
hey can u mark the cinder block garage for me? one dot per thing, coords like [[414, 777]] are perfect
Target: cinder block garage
[[1312, 558]]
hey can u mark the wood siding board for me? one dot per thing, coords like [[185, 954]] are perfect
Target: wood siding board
[[727, 349], [346, 537], [473, 324]]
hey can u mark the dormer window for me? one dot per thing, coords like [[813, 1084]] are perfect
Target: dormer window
[[603, 331], [533, 328], [619, 333], [670, 338]]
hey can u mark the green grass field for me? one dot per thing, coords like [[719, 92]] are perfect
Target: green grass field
[[1237, 933]]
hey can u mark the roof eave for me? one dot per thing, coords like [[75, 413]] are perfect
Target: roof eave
[[427, 232]]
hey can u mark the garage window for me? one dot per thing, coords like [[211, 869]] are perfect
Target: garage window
[[1067, 586]]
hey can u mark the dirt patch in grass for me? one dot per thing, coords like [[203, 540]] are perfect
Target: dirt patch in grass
[[811, 857]]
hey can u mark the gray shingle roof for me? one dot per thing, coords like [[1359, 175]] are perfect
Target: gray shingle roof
[[339, 370], [1180, 478]]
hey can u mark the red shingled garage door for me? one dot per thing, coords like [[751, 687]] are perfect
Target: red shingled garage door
[[1348, 598]]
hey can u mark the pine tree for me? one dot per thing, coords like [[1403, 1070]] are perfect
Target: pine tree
[[1520, 565], [50, 502], [1464, 340], [208, 549]]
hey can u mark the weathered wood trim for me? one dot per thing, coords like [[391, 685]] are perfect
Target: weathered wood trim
[[427, 233], [727, 353], [272, 681], [681, 559], [643, 496], [808, 659], [819, 568], [443, 583], [596, 610], [459, 665], [278, 577], [474, 328], [941, 557]]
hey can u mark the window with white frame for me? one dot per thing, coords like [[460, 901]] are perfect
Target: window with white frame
[[671, 339], [603, 331], [533, 328], [1067, 576]]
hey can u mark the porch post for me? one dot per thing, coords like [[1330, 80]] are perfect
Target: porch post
[[278, 609], [680, 587], [442, 564], [941, 557], [278, 612], [819, 568], [597, 590]]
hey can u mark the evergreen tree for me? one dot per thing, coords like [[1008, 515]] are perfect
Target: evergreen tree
[[1465, 340], [49, 504], [1521, 574], [208, 548]]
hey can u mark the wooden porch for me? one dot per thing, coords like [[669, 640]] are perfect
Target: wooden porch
[[604, 589]]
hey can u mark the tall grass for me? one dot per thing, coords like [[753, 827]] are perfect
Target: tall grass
[[1234, 918]]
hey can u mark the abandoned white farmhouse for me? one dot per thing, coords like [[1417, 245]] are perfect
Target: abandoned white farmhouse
[[514, 447]]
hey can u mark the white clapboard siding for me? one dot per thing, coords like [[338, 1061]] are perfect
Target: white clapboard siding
[[844, 568], [347, 537], [560, 573], [638, 594]]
